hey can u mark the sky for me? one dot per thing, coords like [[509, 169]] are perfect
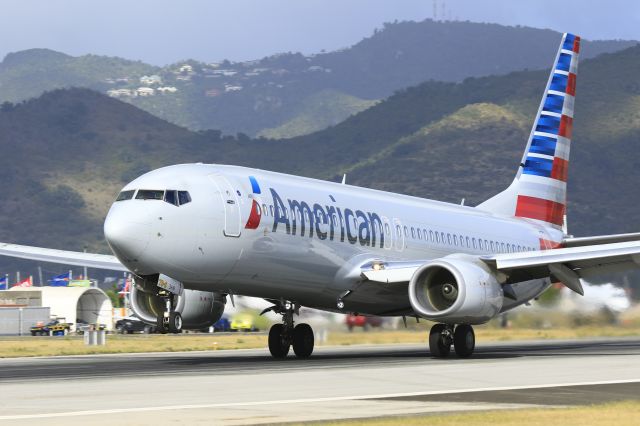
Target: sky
[[162, 32]]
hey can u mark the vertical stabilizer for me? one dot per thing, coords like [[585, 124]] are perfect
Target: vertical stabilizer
[[539, 190]]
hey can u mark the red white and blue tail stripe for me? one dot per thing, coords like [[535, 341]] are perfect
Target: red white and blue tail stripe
[[539, 191]]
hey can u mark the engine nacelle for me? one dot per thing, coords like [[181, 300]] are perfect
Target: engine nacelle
[[199, 309], [455, 290]]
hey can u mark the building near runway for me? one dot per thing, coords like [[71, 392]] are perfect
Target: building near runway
[[74, 304]]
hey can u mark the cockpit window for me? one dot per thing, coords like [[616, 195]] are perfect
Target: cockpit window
[[184, 197], [170, 197], [149, 194], [125, 195]]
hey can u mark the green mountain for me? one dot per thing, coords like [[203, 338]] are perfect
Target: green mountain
[[318, 111], [290, 94], [64, 156]]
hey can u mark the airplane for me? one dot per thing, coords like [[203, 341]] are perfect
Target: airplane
[[194, 235]]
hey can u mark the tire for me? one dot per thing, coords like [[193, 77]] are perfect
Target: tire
[[303, 340], [278, 344], [175, 322], [161, 328], [437, 346], [464, 340]]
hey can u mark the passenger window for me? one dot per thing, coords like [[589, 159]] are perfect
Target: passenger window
[[431, 236], [455, 240], [258, 209], [419, 234], [492, 247], [437, 238], [170, 197], [184, 197], [264, 210], [149, 194], [413, 233], [449, 238], [468, 243], [125, 195], [503, 249], [442, 238], [406, 232], [386, 229], [480, 245], [398, 230], [474, 243], [271, 210]]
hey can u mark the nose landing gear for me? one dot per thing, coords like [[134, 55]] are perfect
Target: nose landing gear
[[442, 336], [284, 336], [169, 321]]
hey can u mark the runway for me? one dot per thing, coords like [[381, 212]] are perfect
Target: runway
[[248, 387]]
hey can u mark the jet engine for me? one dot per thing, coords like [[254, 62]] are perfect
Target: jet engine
[[455, 290], [199, 309]]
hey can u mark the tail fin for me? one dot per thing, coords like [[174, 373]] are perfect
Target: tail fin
[[539, 190]]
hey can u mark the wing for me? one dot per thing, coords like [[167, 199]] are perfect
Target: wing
[[568, 265], [91, 260], [600, 239]]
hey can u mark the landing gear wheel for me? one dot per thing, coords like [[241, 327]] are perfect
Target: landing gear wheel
[[464, 340], [439, 341], [175, 322], [303, 340], [162, 328], [278, 342]]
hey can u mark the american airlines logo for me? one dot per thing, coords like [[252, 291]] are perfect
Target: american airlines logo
[[327, 222]]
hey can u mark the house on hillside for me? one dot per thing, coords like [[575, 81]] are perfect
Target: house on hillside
[[232, 88], [145, 91], [121, 93], [185, 69], [167, 89], [149, 80]]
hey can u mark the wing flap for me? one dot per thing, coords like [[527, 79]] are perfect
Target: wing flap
[[600, 239], [91, 260]]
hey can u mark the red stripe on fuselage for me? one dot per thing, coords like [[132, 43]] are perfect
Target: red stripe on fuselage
[[254, 217], [549, 244], [540, 209]]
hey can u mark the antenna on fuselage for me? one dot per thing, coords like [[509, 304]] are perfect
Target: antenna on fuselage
[[462, 202], [344, 179]]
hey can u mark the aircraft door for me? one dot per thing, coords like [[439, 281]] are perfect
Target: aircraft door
[[398, 235], [231, 204]]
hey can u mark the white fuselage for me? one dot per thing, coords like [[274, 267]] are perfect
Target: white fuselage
[[306, 239]]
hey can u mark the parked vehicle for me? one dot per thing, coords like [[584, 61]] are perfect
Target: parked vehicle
[[242, 322], [53, 328], [223, 324], [130, 325], [363, 321]]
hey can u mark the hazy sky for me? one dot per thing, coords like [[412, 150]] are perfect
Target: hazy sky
[[161, 32]]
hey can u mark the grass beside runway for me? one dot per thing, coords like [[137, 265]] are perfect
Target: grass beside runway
[[72, 345], [618, 414]]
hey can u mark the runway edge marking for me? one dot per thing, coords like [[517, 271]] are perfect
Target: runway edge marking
[[303, 400]]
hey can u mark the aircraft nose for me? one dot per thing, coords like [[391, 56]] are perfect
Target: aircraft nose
[[127, 232]]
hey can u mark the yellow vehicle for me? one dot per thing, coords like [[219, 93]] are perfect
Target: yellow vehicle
[[53, 328], [243, 322]]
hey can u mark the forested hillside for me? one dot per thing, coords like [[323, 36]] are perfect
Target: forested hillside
[[288, 94]]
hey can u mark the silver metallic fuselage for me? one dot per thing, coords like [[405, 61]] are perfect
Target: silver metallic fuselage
[[208, 245]]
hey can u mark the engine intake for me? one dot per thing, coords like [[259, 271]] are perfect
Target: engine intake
[[455, 290], [199, 309]]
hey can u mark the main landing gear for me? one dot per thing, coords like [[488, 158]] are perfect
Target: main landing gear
[[442, 336], [284, 336], [169, 321]]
